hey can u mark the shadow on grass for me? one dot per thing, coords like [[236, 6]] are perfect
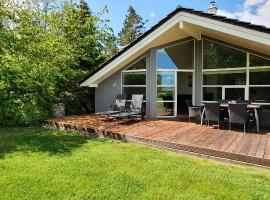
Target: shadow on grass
[[39, 140]]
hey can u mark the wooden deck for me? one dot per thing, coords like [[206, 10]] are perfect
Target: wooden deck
[[249, 148]]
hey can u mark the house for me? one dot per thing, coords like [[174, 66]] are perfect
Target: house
[[188, 55]]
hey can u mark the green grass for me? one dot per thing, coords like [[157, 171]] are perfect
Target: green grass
[[44, 164]]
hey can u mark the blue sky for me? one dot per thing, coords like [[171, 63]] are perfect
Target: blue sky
[[256, 11]]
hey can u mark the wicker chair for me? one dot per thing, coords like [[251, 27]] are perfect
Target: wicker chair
[[212, 112], [193, 111], [264, 115], [238, 114]]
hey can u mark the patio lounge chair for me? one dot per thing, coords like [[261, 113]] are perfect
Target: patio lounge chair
[[193, 111], [135, 110], [119, 106], [238, 114]]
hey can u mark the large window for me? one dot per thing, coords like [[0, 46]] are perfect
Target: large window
[[217, 56], [259, 79], [179, 56], [230, 73], [170, 60], [134, 79], [225, 77]]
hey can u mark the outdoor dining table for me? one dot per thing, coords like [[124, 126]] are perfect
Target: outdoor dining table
[[254, 107]]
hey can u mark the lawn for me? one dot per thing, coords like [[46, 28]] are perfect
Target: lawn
[[43, 164]]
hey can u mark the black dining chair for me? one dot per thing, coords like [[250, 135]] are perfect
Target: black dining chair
[[238, 114], [212, 112], [264, 114], [193, 111]]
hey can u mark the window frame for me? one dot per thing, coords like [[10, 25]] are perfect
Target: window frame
[[247, 68], [136, 70], [168, 86]]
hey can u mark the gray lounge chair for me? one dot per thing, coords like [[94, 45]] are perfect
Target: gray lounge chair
[[238, 114], [119, 106], [193, 111], [212, 112], [135, 110]]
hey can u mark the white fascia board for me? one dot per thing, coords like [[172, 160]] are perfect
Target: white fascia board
[[163, 28], [224, 27], [188, 31]]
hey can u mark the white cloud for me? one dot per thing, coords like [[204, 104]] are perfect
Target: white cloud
[[152, 14], [254, 11], [250, 3]]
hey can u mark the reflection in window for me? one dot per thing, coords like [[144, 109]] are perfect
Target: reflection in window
[[141, 64], [129, 91], [259, 94], [165, 109], [165, 93], [134, 78], [179, 56], [259, 77], [212, 93], [260, 71], [219, 56], [235, 93], [166, 78], [256, 61], [223, 77]]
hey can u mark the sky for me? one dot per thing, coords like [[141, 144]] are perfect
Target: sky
[[255, 11]]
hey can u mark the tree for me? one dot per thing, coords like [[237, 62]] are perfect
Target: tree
[[84, 8], [43, 55], [133, 27]]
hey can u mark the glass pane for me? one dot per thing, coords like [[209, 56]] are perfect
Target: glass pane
[[212, 93], [179, 56], [165, 93], [165, 109], [256, 61], [134, 78], [234, 93], [129, 91], [235, 77], [259, 77], [219, 56], [259, 94], [166, 78], [141, 64]]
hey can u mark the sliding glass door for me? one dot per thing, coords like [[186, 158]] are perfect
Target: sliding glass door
[[174, 63]]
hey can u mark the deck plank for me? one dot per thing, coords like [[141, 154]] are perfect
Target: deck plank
[[267, 148], [261, 147], [248, 147], [235, 143], [248, 143]]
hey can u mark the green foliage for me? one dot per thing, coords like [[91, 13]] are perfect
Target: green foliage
[[133, 27], [45, 49], [46, 164]]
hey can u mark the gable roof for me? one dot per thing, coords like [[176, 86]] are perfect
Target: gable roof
[[179, 9]]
